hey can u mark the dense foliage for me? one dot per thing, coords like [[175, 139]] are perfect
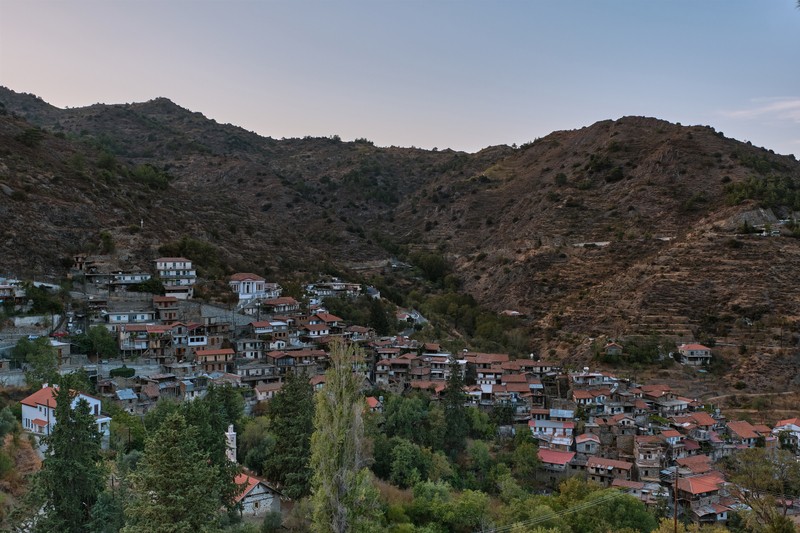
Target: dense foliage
[[72, 474]]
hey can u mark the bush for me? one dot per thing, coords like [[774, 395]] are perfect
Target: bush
[[122, 372], [6, 464], [272, 522]]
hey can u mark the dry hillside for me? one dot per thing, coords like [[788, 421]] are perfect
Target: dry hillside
[[632, 226]]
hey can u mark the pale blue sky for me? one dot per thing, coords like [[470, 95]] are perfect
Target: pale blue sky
[[459, 74]]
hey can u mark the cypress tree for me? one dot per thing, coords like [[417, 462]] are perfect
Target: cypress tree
[[72, 474], [455, 414], [175, 486], [291, 414]]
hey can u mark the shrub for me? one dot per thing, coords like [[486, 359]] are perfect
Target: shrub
[[122, 372]]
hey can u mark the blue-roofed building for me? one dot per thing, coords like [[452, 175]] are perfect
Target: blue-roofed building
[[127, 399]]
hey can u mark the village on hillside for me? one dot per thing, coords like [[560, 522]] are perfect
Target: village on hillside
[[643, 438]]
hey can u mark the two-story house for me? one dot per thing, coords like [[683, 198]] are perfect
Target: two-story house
[[39, 411], [178, 276], [605, 471], [694, 354]]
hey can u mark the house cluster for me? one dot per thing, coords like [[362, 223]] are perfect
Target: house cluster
[[194, 345], [649, 441], [645, 439], [641, 437], [176, 274]]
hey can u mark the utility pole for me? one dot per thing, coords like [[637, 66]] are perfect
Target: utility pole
[[675, 510]]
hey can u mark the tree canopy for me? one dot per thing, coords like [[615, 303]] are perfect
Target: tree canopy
[[72, 474], [343, 495], [174, 487]]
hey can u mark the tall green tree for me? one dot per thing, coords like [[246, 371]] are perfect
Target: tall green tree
[[41, 359], [72, 474], [343, 495], [98, 341], [291, 414], [455, 413], [174, 486], [764, 479], [378, 318], [210, 417]]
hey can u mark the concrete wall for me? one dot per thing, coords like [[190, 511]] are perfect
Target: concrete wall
[[36, 321]]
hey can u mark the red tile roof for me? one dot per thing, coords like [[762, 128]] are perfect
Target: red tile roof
[[268, 387], [555, 457], [246, 276], [700, 484], [762, 429], [486, 358], [223, 351], [602, 462], [327, 317], [693, 347], [742, 429], [46, 396], [246, 484], [702, 418], [624, 483]]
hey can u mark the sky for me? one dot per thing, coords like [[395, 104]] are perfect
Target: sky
[[458, 74]]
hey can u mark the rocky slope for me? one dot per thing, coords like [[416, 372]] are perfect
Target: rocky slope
[[626, 226]]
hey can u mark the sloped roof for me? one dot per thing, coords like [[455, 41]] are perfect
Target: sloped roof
[[246, 276], [555, 457], [742, 429], [693, 347], [248, 483], [580, 439], [602, 462], [47, 396], [789, 421], [700, 484]]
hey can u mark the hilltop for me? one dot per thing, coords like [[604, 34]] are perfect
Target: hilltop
[[630, 226]]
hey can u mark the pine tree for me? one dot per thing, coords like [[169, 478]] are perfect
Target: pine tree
[[174, 487], [343, 495], [455, 414], [72, 472], [210, 417], [291, 414]]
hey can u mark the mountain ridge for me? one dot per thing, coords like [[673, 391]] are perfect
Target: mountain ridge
[[555, 228]]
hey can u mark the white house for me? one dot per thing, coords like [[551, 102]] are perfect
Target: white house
[[248, 286], [256, 498], [694, 354], [38, 411], [789, 430], [177, 275]]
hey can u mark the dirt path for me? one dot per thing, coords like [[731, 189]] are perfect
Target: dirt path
[[749, 395]]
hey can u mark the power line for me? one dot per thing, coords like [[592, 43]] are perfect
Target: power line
[[541, 519]]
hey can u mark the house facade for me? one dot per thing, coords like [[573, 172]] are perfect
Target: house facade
[[694, 354], [39, 411], [256, 498], [177, 275]]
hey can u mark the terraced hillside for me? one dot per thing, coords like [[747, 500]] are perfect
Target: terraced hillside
[[632, 226]]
